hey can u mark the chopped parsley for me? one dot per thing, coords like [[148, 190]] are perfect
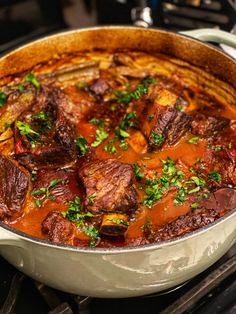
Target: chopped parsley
[[193, 140], [137, 171], [91, 198], [125, 96], [81, 85], [93, 233], [127, 120], [194, 205], [31, 78], [74, 213], [82, 145], [101, 135], [169, 167], [153, 193], [43, 121], [26, 130], [151, 117], [3, 99], [20, 88], [121, 133], [45, 192], [110, 148], [98, 122], [214, 176], [180, 197], [158, 139], [124, 145]]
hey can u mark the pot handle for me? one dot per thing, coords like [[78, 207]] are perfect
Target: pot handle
[[212, 35]]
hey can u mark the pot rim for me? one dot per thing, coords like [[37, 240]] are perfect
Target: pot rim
[[125, 249]]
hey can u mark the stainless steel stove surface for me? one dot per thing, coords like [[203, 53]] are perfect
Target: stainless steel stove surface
[[213, 291]]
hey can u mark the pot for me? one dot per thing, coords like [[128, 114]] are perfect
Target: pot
[[121, 272]]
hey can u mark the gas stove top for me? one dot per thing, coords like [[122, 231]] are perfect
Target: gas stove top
[[213, 291]]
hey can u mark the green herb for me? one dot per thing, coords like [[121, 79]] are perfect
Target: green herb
[[121, 133], [199, 184], [119, 221], [194, 205], [26, 130], [216, 148], [165, 182], [147, 226], [179, 107], [124, 145], [81, 85], [124, 97], [31, 78], [33, 175], [7, 125], [158, 139], [169, 167], [82, 145], [214, 176], [91, 198], [43, 121], [151, 117], [20, 88], [137, 171], [74, 213], [177, 179], [101, 135], [154, 193], [3, 99], [126, 121], [45, 192], [98, 122], [110, 148], [93, 233], [193, 140], [180, 197]]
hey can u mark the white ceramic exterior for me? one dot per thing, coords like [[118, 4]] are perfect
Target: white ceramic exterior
[[115, 273], [125, 272]]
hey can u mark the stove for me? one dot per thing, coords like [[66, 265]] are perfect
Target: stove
[[213, 291]]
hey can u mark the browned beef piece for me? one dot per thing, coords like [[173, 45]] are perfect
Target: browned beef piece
[[211, 209], [58, 229], [109, 186], [66, 190], [53, 144], [14, 182], [100, 87], [204, 125], [169, 125]]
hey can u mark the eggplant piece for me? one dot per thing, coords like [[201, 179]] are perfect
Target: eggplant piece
[[114, 224]]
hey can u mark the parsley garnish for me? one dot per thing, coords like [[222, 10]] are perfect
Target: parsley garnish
[[93, 233], [43, 121], [193, 140], [125, 96], [98, 122], [137, 171], [194, 205], [126, 121], [26, 130], [214, 176], [30, 77], [74, 213], [3, 99], [82, 145], [124, 145], [91, 198], [180, 197], [110, 147], [101, 135], [45, 192], [157, 138]]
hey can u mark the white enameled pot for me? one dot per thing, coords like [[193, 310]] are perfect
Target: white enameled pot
[[123, 272]]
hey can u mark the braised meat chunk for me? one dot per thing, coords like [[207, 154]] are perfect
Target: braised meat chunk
[[204, 125], [169, 125], [44, 137], [58, 229], [14, 181], [109, 186]]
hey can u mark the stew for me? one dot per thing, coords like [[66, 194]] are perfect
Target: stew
[[118, 148]]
